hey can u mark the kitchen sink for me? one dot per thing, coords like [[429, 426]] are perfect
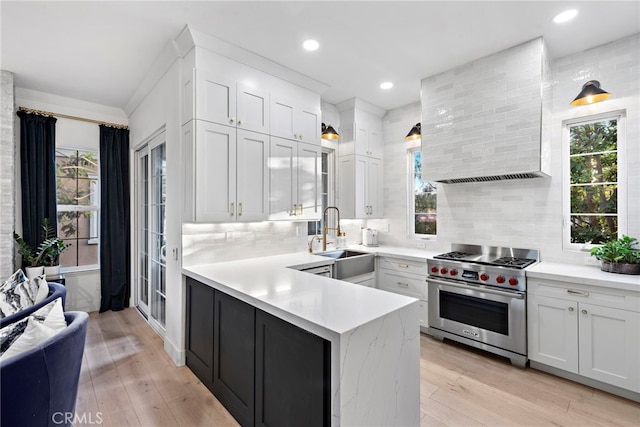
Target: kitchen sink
[[350, 263]]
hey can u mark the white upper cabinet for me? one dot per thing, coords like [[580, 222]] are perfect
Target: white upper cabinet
[[219, 99], [295, 120], [225, 173], [360, 187], [294, 180], [367, 141]]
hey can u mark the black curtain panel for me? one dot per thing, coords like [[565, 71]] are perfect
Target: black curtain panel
[[115, 247], [37, 174]]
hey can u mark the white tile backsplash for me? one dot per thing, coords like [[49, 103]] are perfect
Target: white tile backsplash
[[523, 213], [515, 213]]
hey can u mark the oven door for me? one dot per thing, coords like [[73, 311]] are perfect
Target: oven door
[[491, 316]]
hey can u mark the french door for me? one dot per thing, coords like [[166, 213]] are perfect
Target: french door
[[150, 286]]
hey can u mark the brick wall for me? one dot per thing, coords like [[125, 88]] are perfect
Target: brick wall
[[7, 174]]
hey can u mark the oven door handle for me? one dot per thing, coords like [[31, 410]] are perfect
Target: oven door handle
[[468, 286]]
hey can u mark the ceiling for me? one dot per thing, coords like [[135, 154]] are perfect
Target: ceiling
[[99, 51]]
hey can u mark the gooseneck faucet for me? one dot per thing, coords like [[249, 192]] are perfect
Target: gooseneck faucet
[[325, 228]]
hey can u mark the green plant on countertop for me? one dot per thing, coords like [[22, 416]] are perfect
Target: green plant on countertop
[[618, 251]]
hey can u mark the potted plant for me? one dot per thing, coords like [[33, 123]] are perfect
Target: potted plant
[[50, 249], [30, 258], [619, 256], [45, 259]]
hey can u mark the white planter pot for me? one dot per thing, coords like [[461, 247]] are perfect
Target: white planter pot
[[52, 272], [33, 272]]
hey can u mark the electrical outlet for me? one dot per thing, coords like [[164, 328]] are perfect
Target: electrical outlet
[[421, 245], [386, 227]]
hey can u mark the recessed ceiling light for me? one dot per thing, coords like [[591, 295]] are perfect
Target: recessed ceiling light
[[310, 45], [565, 16], [386, 85]]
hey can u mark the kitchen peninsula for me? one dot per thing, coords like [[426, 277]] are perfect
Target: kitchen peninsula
[[371, 336]]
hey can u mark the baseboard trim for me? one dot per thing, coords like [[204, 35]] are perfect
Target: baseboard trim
[[627, 394]]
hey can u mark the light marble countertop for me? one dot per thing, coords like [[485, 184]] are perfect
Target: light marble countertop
[[296, 296], [585, 275]]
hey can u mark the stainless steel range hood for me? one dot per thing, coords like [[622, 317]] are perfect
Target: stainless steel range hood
[[486, 120]]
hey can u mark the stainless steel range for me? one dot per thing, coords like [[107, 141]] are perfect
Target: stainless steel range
[[477, 296]]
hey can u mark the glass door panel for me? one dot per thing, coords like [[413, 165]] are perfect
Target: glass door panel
[[150, 295]]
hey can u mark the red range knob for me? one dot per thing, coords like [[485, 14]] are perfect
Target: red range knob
[[443, 270], [484, 277], [434, 269], [453, 272], [500, 279], [513, 281]]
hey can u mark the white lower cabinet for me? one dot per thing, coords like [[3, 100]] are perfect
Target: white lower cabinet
[[407, 277], [586, 330]]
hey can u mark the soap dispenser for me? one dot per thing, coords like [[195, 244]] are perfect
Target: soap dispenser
[[341, 240]]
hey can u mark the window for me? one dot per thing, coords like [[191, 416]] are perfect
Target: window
[[77, 182], [593, 194], [422, 207]]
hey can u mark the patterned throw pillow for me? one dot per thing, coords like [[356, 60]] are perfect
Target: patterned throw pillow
[[18, 293], [33, 330]]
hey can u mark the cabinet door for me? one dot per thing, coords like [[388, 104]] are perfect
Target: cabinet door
[[361, 140], [283, 178], [610, 345], [292, 375], [309, 185], [234, 351], [215, 183], [346, 186], [252, 109], [282, 120], [375, 188], [375, 146], [307, 124], [361, 198], [215, 98], [252, 188], [199, 330], [553, 332]]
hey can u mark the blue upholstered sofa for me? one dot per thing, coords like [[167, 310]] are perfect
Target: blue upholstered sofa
[[39, 387], [55, 290]]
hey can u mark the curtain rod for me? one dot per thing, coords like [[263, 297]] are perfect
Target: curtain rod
[[66, 116]]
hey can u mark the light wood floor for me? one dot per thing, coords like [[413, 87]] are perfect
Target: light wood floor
[[128, 380]]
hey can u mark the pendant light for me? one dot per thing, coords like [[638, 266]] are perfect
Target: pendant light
[[414, 133], [590, 93], [328, 132]]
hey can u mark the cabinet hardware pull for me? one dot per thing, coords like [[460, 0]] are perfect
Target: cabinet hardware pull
[[403, 285], [581, 293], [300, 136], [232, 119], [239, 122], [240, 209], [301, 209], [232, 209], [584, 311], [403, 265], [570, 308]]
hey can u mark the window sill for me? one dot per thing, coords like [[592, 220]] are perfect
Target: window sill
[[80, 269]]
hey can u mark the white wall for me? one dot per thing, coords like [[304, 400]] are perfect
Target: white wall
[[83, 287], [523, 213], [160, 110]]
